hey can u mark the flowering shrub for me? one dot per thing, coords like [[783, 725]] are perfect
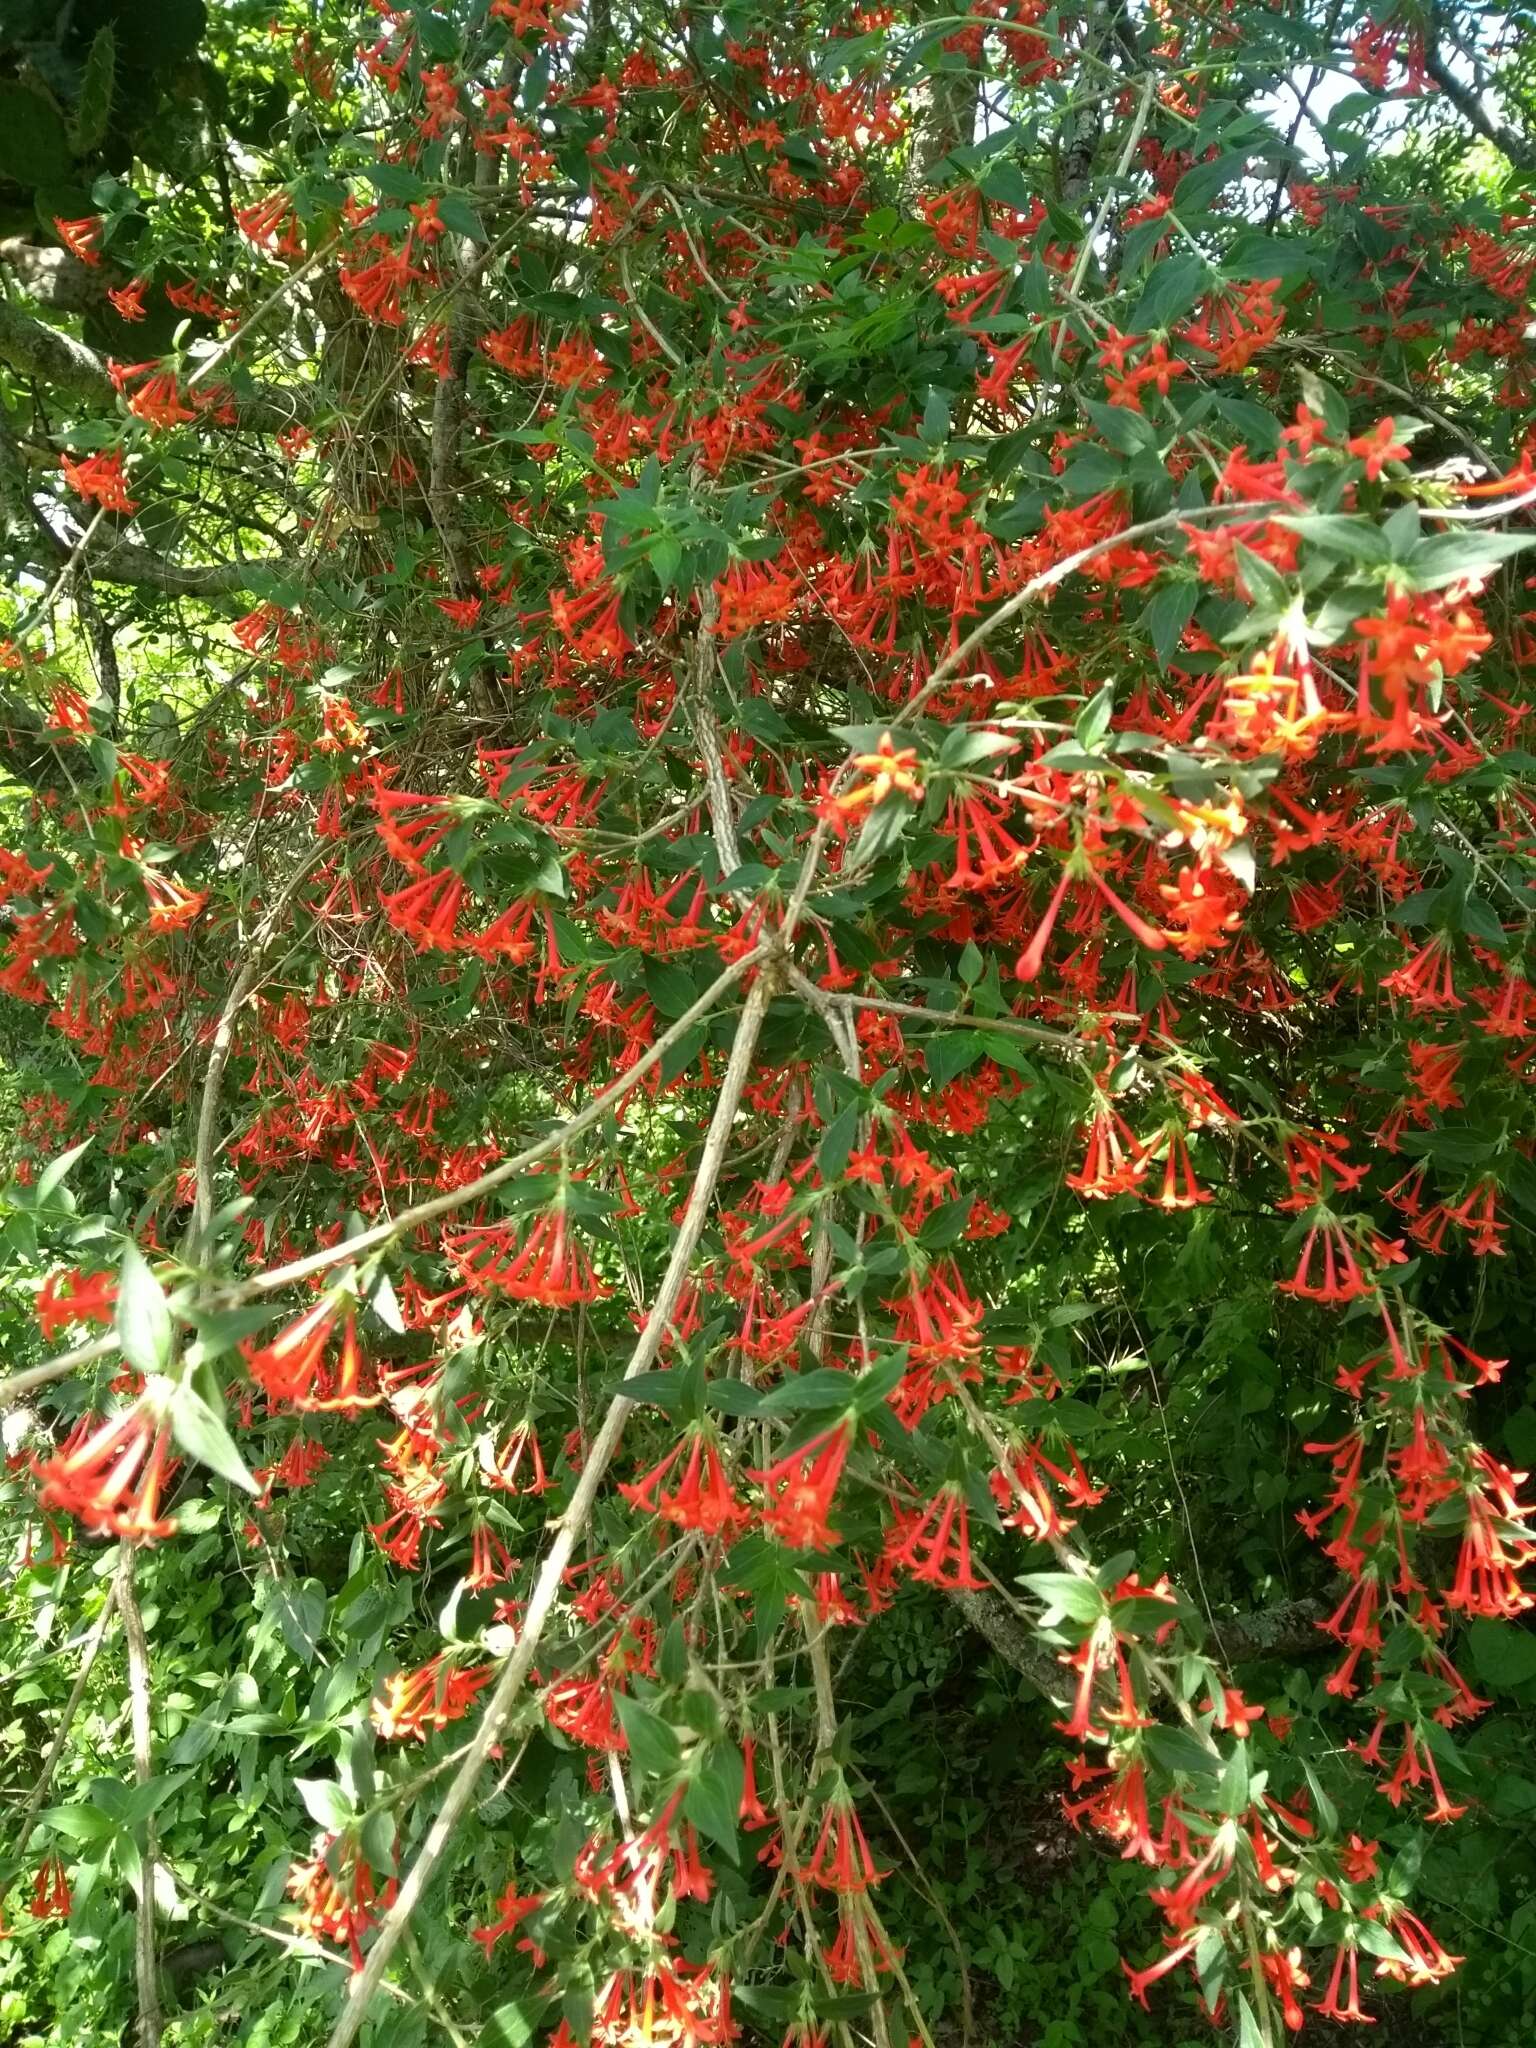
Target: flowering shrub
[[812, 805]]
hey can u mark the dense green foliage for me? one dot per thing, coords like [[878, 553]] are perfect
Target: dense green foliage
[[826, 713]]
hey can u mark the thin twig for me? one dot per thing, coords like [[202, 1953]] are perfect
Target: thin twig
[[145, 1968], [570, 1524], [20, 1384], [38, 1796]]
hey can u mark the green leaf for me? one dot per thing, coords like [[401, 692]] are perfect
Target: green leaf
[[670, 987], [733, 1397], [1448, 557], [1175, 1749], [144, 1328], [78, 1823], [143, 1800], [459, 217], [1264, 584], [1200, 184], [298, 1607], [950, 1053], [1336, 533], [1065, 1593], [1093, 719], [672, 1662], [396, 181], [325, 1803], [713, 1798], [1170, 292], [1126, 432], [1505, 1656], [1376, 1941], [199, 1430], [934, 427], [1092, 470], [652, 1744], [1169, 611], [56, 1169], [34, 143], [377, 1838], [883, 830], [512, 2025], [1248, 2033], [1232, 1796], [836, 1144], [823, 1388], [1327, 1812], [667, 1391]]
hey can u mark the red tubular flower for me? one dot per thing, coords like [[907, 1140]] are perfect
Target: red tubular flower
[[1032, 959], [862, 1951], [100, 477], [1118, 1809], [985, 853], [1100, 1651], [51, 1898], [940, 1324], [1113, 1162], [1377, 448], [889, 771], [490, 1562], [1494, 1549], [1285, 1977], [1140, 1979], [583, 1709], [1477, 1214], [411, 824], [552, 1268], [752, 1813], [1423, 1960], [109, 1474], [935, 1546], [702, 1498], [1179, 1189], [512, 1910], [841, 1861], [502, 1468], [338, 1894], [82, 238], [1025, 1500], [1346, 1963], [265, 220], [171, 906], [1341, 1279], [1357, 1860], [415, 1701], [1235, 1713], [377, 289], [291, 1369], [74, 1297], [427, 910], [800, 1489], [1424, 982], [158, 402]]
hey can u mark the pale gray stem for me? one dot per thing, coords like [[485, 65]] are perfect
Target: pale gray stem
[[570, 1525], [145, 1968]]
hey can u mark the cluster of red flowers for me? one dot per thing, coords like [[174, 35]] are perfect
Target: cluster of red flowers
[[1067, 830]]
